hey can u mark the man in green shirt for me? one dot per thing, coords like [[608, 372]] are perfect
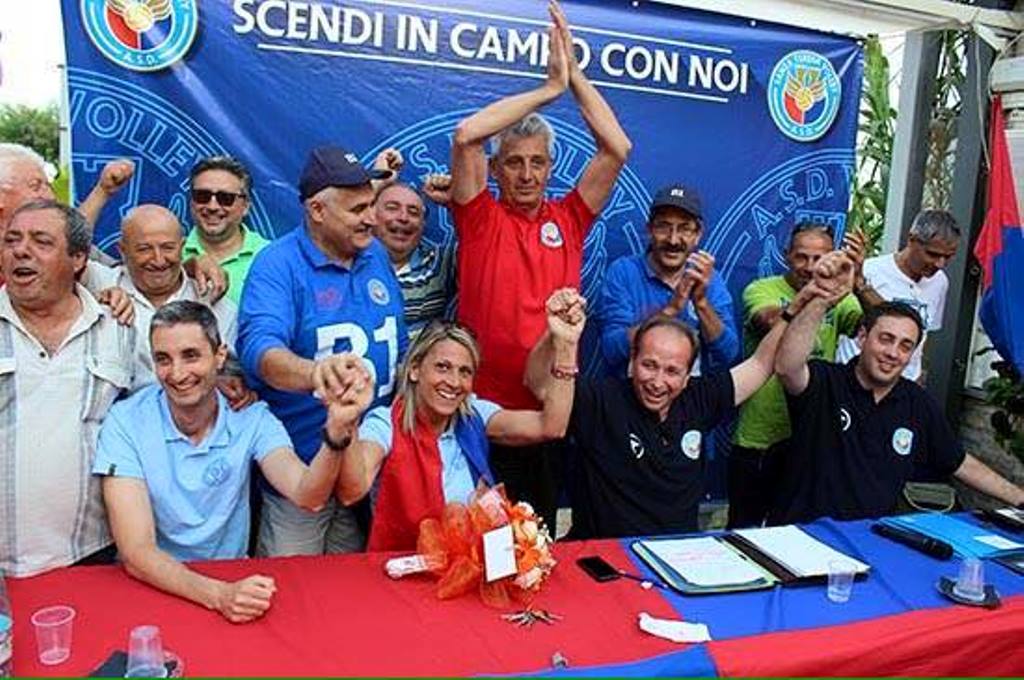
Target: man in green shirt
[[763, 431], [219, 200]]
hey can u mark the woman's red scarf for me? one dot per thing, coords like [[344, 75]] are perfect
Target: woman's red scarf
[[410, 483]]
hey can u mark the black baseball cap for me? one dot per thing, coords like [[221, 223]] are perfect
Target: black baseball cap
[[333, 166], [678, 196]]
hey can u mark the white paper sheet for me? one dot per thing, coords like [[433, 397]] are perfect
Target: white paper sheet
[[499, 553], [998, 542], [797, 550], [704, 561]]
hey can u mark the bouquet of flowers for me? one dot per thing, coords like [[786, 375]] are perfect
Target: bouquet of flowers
[[451, 548]]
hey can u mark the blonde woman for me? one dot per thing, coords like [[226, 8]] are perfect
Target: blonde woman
[[430, 447]]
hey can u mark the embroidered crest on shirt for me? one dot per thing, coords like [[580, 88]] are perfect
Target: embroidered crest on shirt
[[217, 472], [551, 235], [636, 446], [378, 291], [902, 440], [328, 298], [690, 444]]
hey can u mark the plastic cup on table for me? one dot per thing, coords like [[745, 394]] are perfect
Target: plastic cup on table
[[970, 584], [840, 580], [145, 653], [53, 626]]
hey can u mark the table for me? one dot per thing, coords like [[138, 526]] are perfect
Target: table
[[340, 615]]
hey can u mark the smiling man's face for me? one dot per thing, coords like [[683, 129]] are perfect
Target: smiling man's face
[[399, 221]]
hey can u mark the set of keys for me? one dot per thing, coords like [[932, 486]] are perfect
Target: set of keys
[[528, 617]]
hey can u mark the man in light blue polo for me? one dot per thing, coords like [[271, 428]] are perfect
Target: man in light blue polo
[[176, 463], [673, 278], [324, 288]]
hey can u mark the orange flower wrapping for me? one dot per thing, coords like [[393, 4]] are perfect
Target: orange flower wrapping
[[452, 547]]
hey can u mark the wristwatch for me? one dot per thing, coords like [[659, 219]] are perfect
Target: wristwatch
[[787, 315], [337, 447]]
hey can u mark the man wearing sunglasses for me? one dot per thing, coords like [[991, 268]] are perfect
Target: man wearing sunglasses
[[23, 178], [763, 429], [219, 195], [674, 278]]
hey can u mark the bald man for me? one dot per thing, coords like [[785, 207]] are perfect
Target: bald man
[[151, 245]]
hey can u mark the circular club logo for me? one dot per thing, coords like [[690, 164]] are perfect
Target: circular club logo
[[378, 291], [803, 95], [141, 35]]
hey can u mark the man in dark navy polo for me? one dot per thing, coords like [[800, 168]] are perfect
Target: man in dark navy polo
[[860, 429], [636, 466]]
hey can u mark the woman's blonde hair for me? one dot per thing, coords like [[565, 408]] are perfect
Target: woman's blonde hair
[[435, 332]]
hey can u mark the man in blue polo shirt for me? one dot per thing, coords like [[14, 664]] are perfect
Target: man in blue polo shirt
[[177, 462], [673, 278], [324, 288]]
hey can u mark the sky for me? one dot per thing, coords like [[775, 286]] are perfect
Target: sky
[[31, 49]]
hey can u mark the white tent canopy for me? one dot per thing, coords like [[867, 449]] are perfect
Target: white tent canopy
[[863, 17]]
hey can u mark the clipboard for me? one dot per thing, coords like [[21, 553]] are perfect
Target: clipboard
[[770, 569]]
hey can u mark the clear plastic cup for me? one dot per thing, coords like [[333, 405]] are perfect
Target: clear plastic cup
[[145, 653], [840, 580], [53, 626], [970, 584]]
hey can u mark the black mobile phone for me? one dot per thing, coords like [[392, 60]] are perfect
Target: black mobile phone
[[598, 569]]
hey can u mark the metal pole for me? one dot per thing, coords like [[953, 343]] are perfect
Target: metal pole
[[910, 144], [946, 351]]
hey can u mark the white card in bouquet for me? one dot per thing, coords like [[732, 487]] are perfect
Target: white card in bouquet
[[499, 553]]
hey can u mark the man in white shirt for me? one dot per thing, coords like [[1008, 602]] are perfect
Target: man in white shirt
[[151, 245], [913, 276], [63, 361]]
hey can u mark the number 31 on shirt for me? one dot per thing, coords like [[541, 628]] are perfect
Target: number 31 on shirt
[[329, 337]]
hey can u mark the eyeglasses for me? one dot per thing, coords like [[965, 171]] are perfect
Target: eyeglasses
[[662, 229], [225, 199]]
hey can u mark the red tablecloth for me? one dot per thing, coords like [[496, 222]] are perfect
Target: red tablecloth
[[341, 615]]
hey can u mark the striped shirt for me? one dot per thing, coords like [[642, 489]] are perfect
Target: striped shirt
[[51, 409], [428, 285]]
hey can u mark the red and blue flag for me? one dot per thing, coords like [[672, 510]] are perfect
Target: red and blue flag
[[1000, 250]]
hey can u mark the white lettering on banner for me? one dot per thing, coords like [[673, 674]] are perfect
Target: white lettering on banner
[[481, 41], [291, 20]]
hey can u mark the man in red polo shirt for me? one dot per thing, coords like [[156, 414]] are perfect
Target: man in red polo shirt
[[514, 251]]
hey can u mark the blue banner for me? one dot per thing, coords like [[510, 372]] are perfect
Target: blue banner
[[760, 118]]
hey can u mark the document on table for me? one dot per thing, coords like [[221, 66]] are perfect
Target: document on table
[[705, 561], [792, 547]]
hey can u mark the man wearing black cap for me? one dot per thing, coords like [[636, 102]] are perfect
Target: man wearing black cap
[[673, 278], [325, 288]]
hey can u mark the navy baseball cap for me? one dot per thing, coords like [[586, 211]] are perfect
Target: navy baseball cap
[[332, 166], [678, 196]]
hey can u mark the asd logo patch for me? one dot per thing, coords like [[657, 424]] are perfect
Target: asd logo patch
[[902, 441], [804, 92], [378, 291], [551, 235], [690, 444], [141, 35], [217, 472]]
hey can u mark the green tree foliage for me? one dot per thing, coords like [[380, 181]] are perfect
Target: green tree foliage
[[877, 129], [36, 128]]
